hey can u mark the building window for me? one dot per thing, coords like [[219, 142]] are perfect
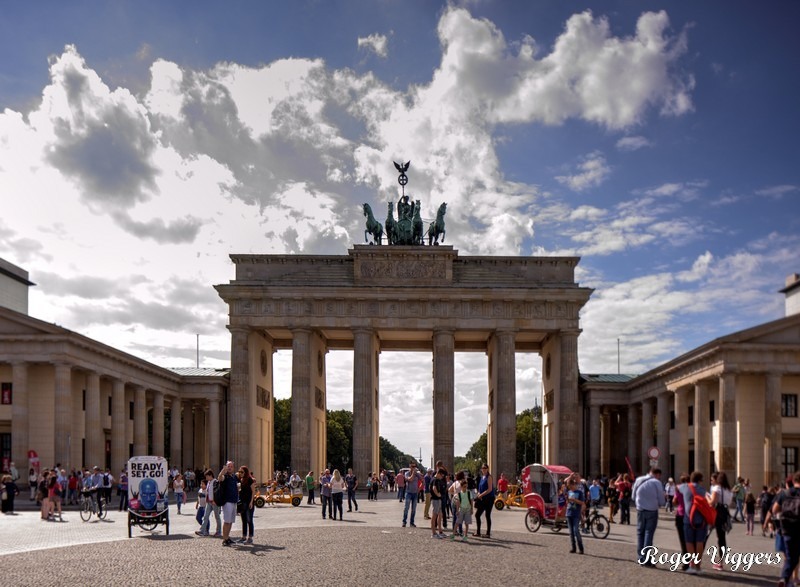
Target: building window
[[5, 450], [5, 391], [711, 415], [691, 417], [789, 461], [789, 405], [672, 419]]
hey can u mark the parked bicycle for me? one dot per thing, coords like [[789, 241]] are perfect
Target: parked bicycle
[[596, 522], [89, 506]]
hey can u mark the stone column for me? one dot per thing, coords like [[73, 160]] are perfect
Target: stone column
[[200, 459], [158, 423], [662, 417], [238, 395], [727, 424], [594, 441], [188, 438], [701, 429], [364, 386], [213, 435], [647, 434], [634, 435], [175, 433], [95, 442], [503, 444], [444, 398], [139, 421], [605, 441], [63, 414], [773, 429], [119, 440], [20, 440], [568, 400], [301, 399], [682, 431]]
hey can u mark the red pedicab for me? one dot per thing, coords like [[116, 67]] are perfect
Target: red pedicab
[[546, 504]]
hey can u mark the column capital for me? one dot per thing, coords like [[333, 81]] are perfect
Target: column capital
[[443, 330], [570, 331], [238, 329], [354, 330]]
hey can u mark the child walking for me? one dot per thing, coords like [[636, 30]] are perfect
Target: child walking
[[463, 501]]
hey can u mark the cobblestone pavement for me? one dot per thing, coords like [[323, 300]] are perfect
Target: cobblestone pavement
[[296, 546]]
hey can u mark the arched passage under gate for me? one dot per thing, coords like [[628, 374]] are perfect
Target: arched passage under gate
[[379, 299]]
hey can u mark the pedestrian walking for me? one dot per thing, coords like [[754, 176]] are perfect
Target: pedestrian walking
[[648, 495]]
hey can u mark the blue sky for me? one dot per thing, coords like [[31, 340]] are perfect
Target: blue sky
[[143, 142]]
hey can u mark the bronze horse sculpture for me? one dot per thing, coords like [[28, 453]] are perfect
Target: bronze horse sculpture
[[374, 227], [419, 226], [391, 225], [436, 227]]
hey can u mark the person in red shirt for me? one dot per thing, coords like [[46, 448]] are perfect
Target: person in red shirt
[[502, 486]]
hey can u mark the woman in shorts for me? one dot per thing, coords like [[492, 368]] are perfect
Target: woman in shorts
[[695, 528]]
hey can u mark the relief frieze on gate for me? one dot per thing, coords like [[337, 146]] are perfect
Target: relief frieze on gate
[[474, 309]]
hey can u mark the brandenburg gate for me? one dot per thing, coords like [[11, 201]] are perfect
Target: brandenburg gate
[[407, 298]]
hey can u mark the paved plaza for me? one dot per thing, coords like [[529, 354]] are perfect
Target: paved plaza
[[294, 546]]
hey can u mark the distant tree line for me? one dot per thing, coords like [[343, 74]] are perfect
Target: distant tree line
[[340, 442]]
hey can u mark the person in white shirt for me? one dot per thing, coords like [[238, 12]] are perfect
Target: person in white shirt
[[720, 496]]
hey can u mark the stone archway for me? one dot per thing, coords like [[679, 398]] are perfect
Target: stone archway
[[379, 299]]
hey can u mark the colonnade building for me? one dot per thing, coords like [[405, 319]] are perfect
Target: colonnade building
[[729, 405], [77, 402]]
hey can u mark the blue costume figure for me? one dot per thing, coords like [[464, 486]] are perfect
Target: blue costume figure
[[148, 494]]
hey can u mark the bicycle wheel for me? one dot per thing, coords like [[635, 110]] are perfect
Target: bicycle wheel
[[533, 521], [86, 510], [102, 514], [148, 525], [600, 527]]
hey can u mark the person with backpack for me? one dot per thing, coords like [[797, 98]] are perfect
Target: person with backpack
[[786, 507], [213, 499], [721, 495], [695, 524]]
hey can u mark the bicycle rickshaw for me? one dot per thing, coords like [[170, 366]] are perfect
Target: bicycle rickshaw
[[148, 484], [545, 503], [515, 498], [273, 494]]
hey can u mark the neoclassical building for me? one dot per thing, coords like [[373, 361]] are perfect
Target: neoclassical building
[[77, 402], [729, 405]]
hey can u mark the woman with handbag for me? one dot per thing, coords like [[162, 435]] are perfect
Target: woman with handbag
[[721, 496], [246, 505]]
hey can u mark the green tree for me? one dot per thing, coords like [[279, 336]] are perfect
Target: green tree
[[529, 436], [283, 434], [340, 440]]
